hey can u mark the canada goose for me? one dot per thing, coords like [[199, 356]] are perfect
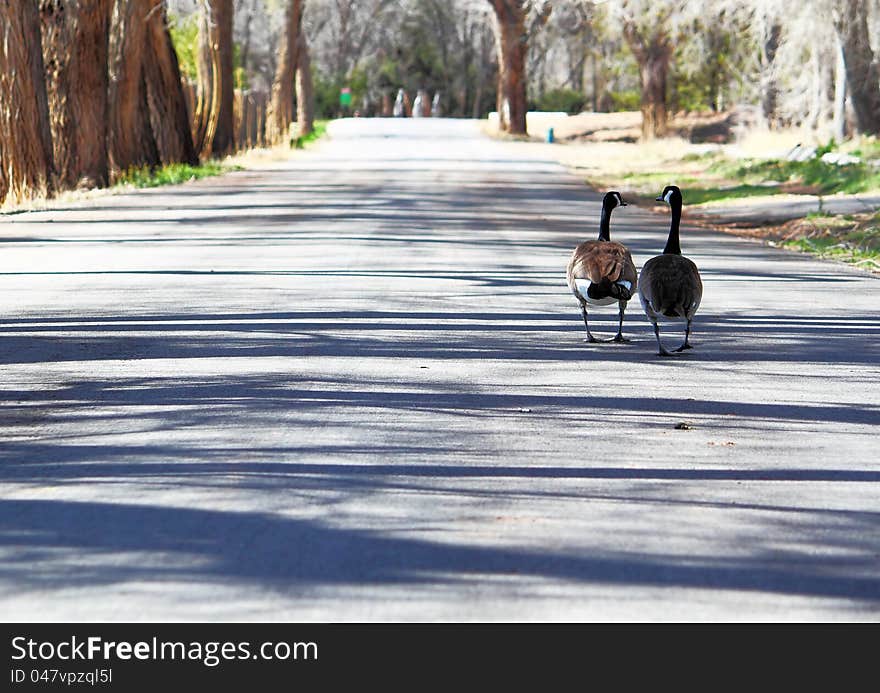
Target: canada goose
[[670, 284], [601, 272]]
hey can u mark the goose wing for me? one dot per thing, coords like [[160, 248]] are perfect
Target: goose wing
[[671, 285], [602, 260]]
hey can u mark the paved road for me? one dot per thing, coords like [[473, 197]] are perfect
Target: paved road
[[354, 386], [777, 209]]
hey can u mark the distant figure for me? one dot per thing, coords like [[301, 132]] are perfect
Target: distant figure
[[419, 104], [424, 107], [400, 104], [387, 108], [407, 105], [436, 108]]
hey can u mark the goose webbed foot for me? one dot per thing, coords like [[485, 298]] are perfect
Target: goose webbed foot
[[593, 340], [687, 338], [620, 339], [661, 350]]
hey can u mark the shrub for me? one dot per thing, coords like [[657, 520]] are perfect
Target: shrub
[[565, 100]]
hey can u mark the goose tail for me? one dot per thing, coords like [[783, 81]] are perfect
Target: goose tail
[[605, 288]]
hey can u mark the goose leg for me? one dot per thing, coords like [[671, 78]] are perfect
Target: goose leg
[[590, 338], [663, 351], [619, 336], [687, 334]]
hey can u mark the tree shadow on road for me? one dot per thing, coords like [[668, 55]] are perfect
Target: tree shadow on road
[[429, 336], [87, 544]]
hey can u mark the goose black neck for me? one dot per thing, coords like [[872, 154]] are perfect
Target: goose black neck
[[672, 244], [605, 224]]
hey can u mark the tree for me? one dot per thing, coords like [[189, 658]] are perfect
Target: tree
[[650, 39], [352, 30], [862, 74], [214, 118], [75, 49], [512, 45], [769, 83], [132, 143], [26, 161], [305, 93], [169, 118], [280, 112], [149, 124]]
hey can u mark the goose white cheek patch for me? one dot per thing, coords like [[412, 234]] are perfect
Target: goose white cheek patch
[[625, 284], [667, 196]]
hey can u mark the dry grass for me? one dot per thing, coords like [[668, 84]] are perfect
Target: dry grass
[[252, 158], [599, 149]]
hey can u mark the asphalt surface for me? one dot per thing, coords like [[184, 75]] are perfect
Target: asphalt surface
[[353, 386], [777, 209]]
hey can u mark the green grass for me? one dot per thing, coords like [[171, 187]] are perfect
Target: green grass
[[842, 238], [696, 191], [697, 196], [172, 174], [726, 179], [836, 248], [646, 182], [826, 178], [319, 129]]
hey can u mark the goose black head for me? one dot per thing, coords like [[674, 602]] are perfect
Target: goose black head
[[612, 199], [669, 192]]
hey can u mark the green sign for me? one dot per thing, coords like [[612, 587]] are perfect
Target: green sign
[[345, 97]]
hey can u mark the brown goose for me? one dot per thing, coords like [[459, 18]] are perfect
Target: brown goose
[[670, 286], [601, 272]]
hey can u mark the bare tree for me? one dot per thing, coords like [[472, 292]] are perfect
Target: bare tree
[[213, 132], [26, 162], [862, 74], [650, 39], [838, 127], [280, 113], [149, 124], [132, 143], [169, 118], [305, 93], [353, 29], [75, 48], [512, 44], [769, 83]]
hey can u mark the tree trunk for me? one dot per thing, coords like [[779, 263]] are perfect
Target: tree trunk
[[280, 113], [769, 86], [214, 133], [75, 50], [839, 122], [246, 41], [862, 74], [169, 118], [654, 116], [305, 97], [132, 144], [26, 162], [653, 54], [511, 41], [594, 82]]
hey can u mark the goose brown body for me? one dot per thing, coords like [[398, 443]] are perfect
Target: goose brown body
[[602, 272], [603, 264], [670, 286]]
